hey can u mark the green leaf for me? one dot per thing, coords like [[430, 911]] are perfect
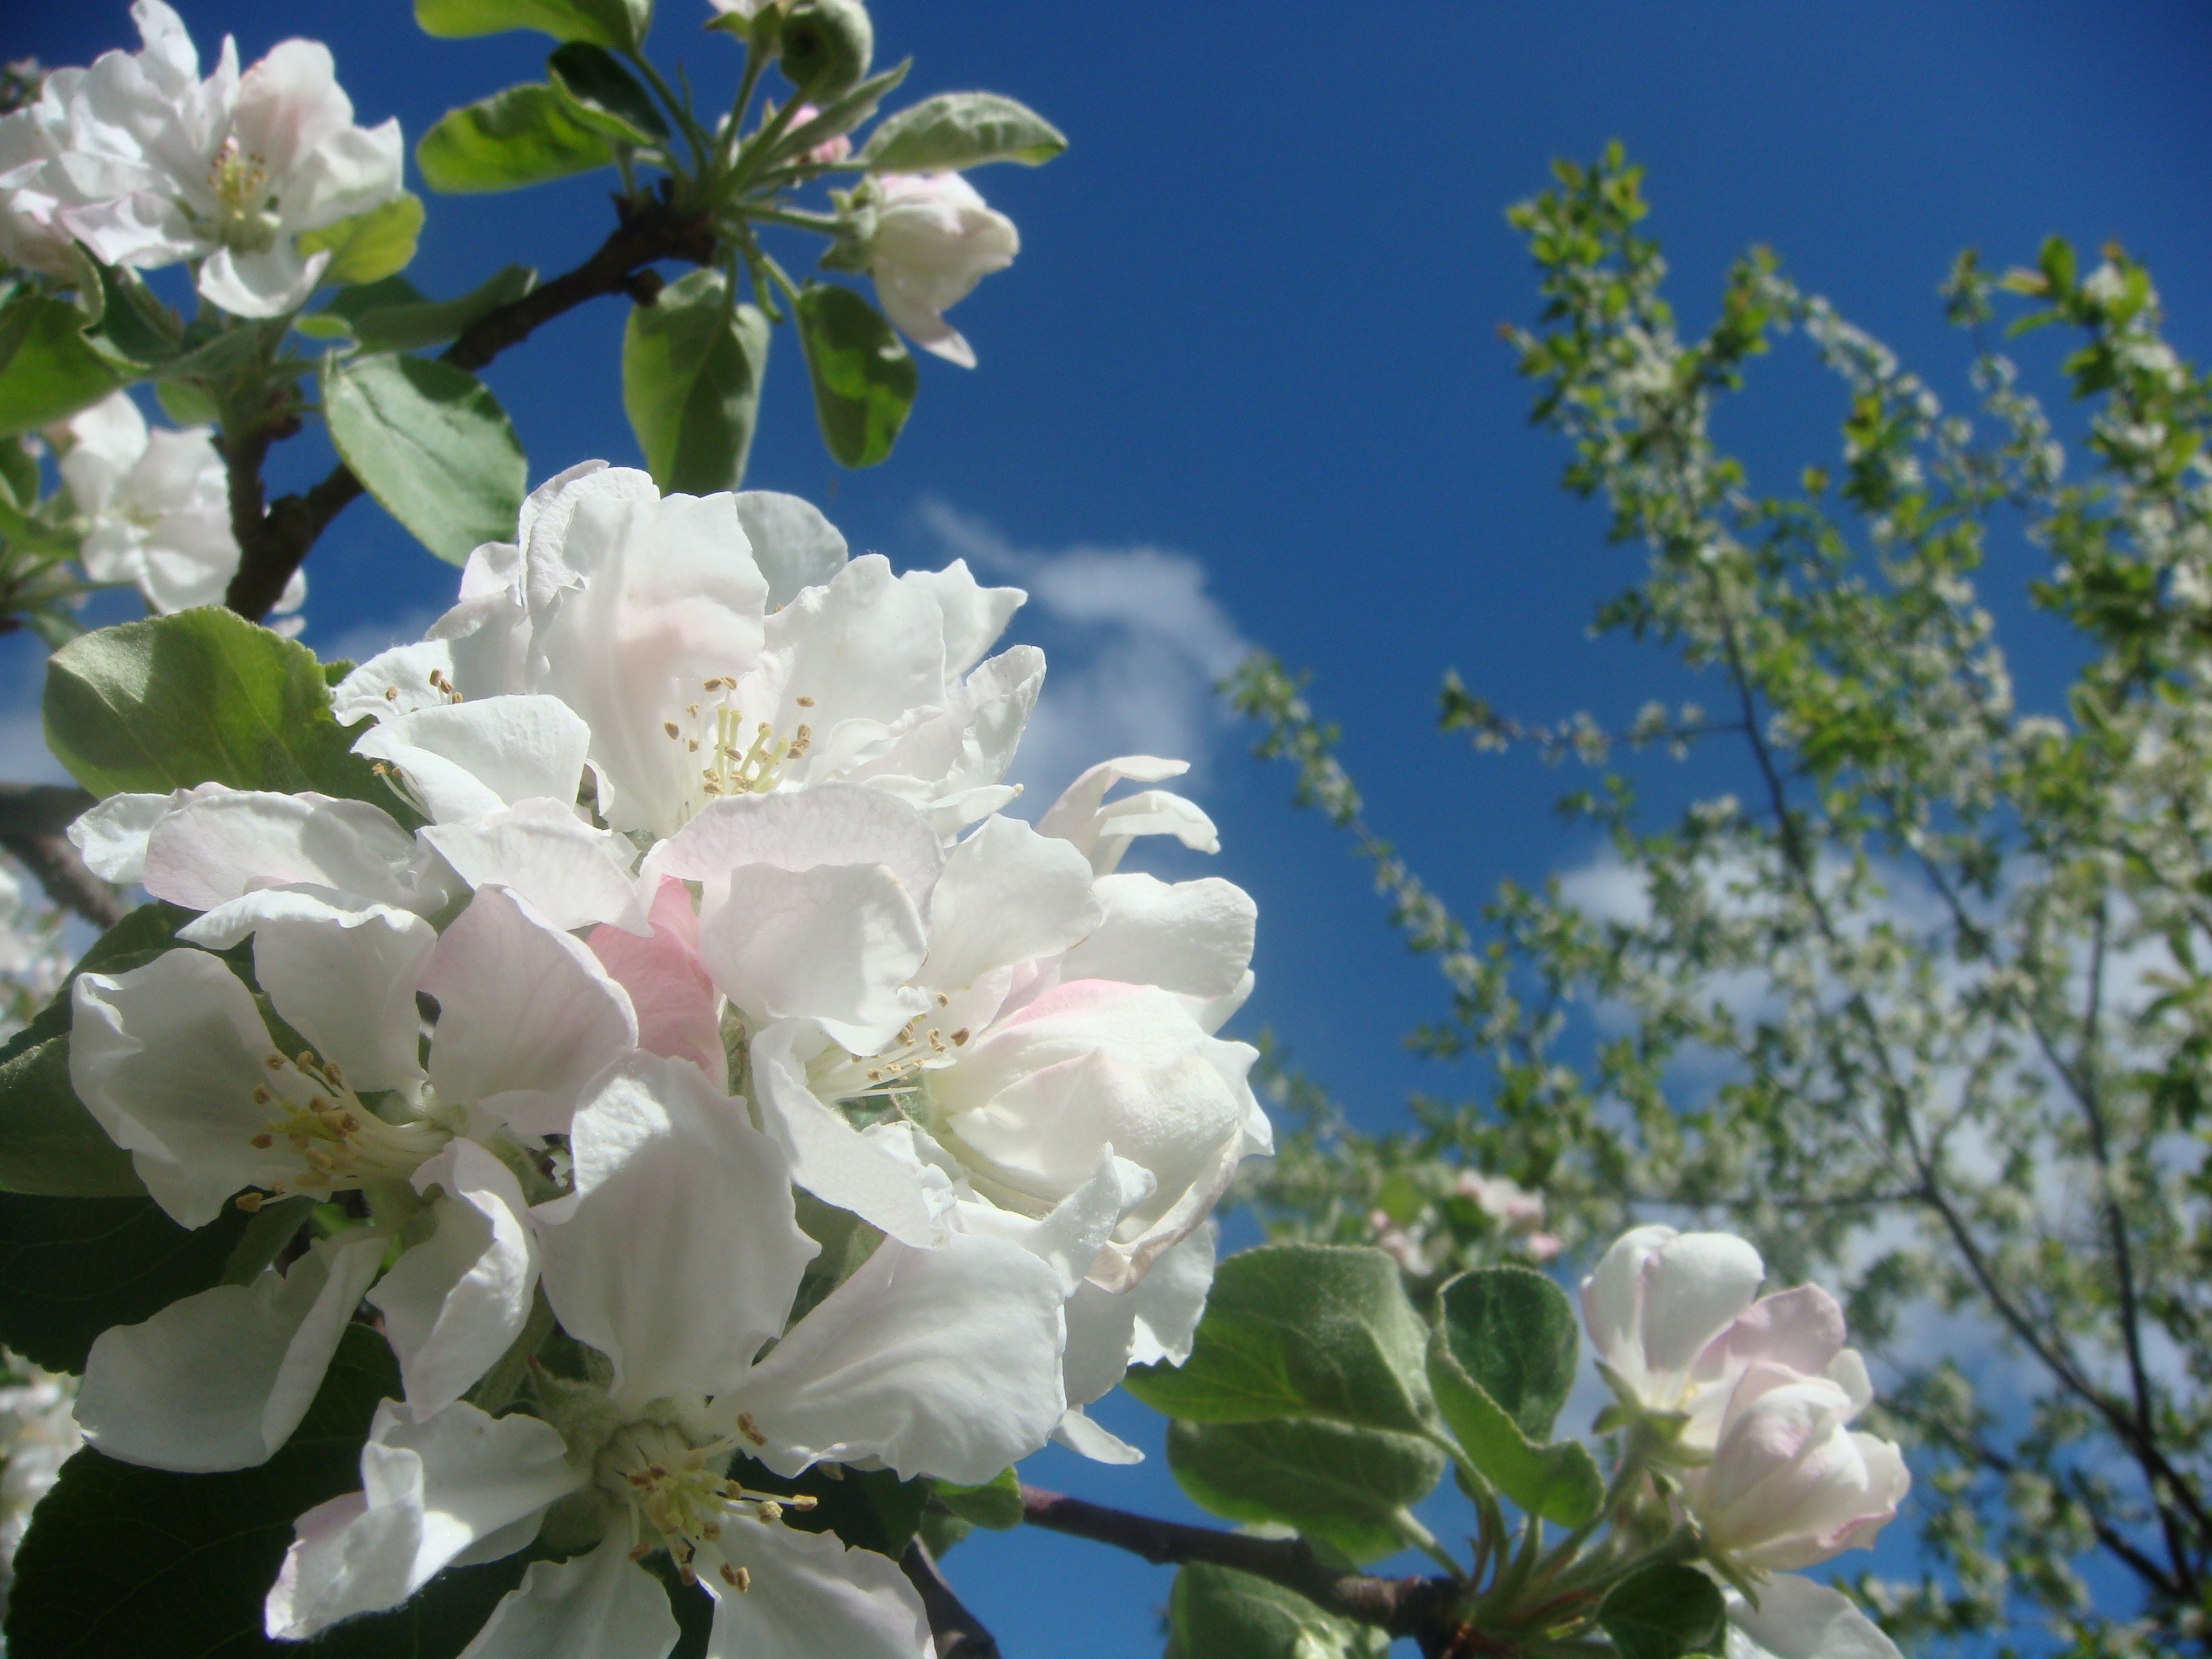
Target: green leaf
[[187, 405], [203, 696], [603, 95], [122, 1563], [1665, 1612], [432, 444], [1514, 1333], [692, 363], [997, 1504], [133, 324], [864, 379], [615, 24], [1339, 1486], [957, 129], [48, 369], [1301, 1330], [523, 136], [1560, 1481], [393, 316], [371, 245], [19, 474], [1218, 1612]]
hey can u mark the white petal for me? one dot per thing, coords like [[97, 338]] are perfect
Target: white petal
[[864, 647], [290, 103], [1070, 1234], [139, 229], [527, 1017], [166, 1058], [831, 824], [974, 615], [1078, 815], [466, 759], [1695, 1285], [599, 1606], [270, 284], [1008, 894], [345, 978], [1194, 938], [794, 546], [455, 1301], [811, 1598], [353, 171], [112, 835], [575, 875], [219, 1380], [430, 1491], [827, 1156], [1101, 1326], [943, 1362], [835, 944], [678, 1255], [1087, 1439], [1798, 1618], [948, 764], [394, 682], [215, 847], [1170, 1299]]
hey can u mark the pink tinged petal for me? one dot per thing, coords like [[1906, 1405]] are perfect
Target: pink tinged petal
[[394, 682], [575, 875], [1798, 1618], [212, 850], [290, 103], [1008, 894], [456, 1301], [431, 1493], [836, 944], [794, 546], [834, 824], [273, 283], [469, 758], [675, 1003], [166, 1058], [943, 1362], [812, 1596], [1694, 1289], [599, 1606], [827, 1156], [527, 1017], [345, 978], [678, 1255], [1194, 938], [907, 304], [1802, 1329], [219, 1380]]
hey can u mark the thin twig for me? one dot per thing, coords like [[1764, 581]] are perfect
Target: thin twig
[[272, 543], [959, 1633]]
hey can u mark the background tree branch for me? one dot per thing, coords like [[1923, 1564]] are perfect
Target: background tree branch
[[960, 1634], [273, 542], [33, 817]]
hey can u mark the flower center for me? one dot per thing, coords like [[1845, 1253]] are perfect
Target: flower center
[[679, 1497], [338, 1142], [244, 218], [918, 1046], [718, 755]]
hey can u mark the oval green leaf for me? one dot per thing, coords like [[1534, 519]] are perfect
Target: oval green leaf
[[371, 245], [864, 379], [1218, 1612], [48, 370], [1341, 1487], [432, 444], [957, 129], [615, 24], [526, 135], [692, 363], [603, 95], [1666, 1611]]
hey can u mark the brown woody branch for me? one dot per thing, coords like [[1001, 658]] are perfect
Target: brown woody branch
[[32, 819], [1423, 1609], [272, 542], [959, 1633]]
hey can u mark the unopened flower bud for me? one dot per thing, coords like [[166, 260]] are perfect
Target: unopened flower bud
[[827, 46]]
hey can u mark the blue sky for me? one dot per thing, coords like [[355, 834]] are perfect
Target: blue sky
[[1244, 384]]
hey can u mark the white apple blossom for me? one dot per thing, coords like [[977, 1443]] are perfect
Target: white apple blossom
[[1798, 1618], [1791, 1483], [1677, 1321], [933, 238], [148, 165], [38, 1434], [724, 646], [944, 1361], [175, 1062], [157, 507]]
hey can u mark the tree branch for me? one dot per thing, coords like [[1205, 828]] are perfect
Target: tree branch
[[33, 816], [959, 1633], [273, 543], [1418, 1607]]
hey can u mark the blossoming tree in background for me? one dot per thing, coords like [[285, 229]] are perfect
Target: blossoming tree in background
[[603, 1139]]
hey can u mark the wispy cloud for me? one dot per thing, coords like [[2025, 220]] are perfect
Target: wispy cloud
[[1134, 641], [363, 639]]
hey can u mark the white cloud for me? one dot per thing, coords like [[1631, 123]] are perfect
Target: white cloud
[[1134, 641]]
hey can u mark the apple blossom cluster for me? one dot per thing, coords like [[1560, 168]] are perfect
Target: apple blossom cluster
[[155, 509], [37, 1436], [147, 164], [1742, 1404], [711, 922]]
